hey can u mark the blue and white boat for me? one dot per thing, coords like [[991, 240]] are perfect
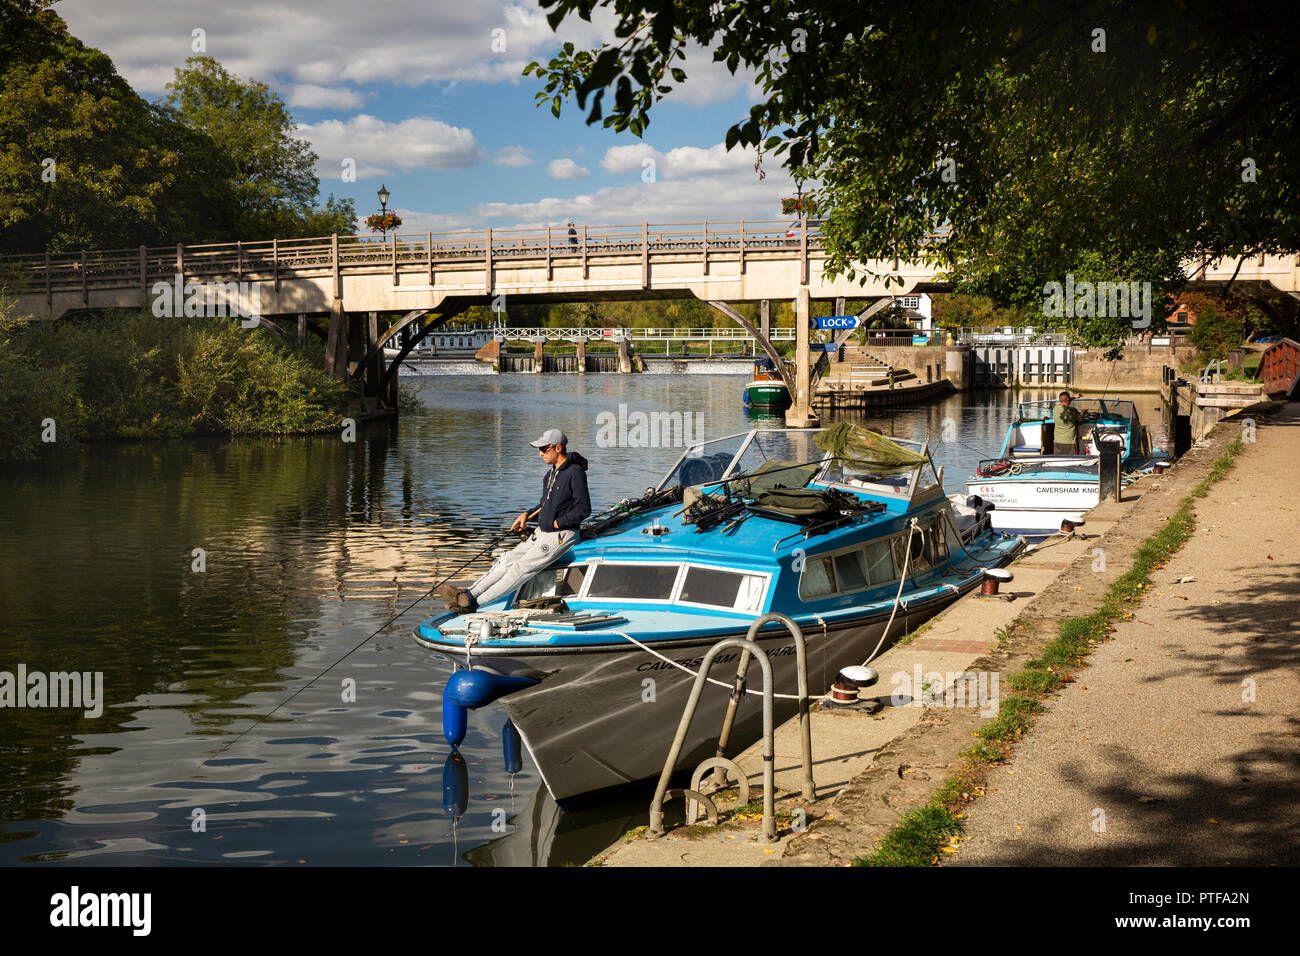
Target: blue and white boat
[[1032, 490], [595, 655]]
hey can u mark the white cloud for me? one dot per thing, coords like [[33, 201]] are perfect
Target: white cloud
[[719, 191], [513, 156], [329, 42], [678, 163], [628, 159], [310, 96], [378, 146], [708, 81], [566, 168]]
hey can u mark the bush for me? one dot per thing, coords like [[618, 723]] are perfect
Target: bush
[[132, 375]]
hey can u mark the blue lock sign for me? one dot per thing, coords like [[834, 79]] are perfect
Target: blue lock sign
[[837, 322]]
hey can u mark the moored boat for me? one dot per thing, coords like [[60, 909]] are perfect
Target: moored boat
[[847, 533], [1033, 491], [767, 389]]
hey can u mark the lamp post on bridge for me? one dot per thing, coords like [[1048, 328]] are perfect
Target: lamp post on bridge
[[383, 220], [383, 213]]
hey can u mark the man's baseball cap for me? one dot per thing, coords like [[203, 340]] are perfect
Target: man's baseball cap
[[552, 436]]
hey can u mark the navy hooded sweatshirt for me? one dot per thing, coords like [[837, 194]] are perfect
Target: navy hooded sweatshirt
[[565, 503]]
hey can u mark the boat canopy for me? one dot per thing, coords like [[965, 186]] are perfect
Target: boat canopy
[[868, 450]]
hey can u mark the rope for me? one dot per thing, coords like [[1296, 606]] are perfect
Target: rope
[[907, 560]]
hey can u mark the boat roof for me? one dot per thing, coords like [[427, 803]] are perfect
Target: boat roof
[[757, 542]]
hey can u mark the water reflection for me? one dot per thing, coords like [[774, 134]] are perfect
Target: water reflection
[[307, 546]]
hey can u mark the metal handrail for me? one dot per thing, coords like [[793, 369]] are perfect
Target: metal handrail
[[750, 648]]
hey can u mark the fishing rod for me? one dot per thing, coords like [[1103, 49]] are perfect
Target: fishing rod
[[491, 544]]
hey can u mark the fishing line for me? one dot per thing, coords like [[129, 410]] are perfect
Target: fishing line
[[357, 647]]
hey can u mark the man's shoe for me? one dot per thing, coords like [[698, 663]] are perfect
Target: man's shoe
[[448, 591], [466, 602]]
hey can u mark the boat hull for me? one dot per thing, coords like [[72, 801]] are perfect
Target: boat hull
[[1035, 506], [606, 717], [767, 394]]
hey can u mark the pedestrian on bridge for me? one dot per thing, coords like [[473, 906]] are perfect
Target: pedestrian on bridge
[[565, 505], [573, 236]]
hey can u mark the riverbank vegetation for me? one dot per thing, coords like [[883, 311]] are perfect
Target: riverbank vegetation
[[131, 375]]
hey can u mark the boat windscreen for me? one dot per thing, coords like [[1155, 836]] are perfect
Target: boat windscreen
[[1094, 407], [779, 446], [704, 463]]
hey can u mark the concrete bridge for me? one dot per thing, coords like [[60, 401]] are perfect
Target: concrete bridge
[[339, 286]]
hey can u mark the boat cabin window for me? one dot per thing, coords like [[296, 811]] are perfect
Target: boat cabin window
[[553, 582], [730, 589], [633, 582], [869, 565], [880, 563], [929, 548]]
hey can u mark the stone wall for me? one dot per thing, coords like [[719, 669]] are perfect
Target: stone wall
[[1140, 370]]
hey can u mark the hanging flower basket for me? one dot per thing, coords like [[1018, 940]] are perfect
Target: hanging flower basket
[[794, 206], [383, 222]]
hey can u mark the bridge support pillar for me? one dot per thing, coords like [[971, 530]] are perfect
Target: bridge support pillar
[[800, 413], [765, 318], [581, 358], [374, 372], [302, 330], [624, 357], [539, 355], [336, 344]]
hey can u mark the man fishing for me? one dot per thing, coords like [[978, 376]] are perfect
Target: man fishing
[[564, 505]]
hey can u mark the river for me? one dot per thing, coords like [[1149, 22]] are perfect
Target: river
[[209, 580]]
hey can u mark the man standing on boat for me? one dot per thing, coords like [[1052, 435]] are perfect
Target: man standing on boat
[[564, 505], [1065, 438]]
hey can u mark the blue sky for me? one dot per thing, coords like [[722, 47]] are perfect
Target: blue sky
[[424, 99]]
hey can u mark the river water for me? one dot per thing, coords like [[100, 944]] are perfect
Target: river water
[[210, 580]]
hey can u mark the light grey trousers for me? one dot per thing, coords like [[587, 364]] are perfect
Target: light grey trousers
[[534, 553]]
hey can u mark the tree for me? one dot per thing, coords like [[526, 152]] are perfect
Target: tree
[[1116, 136], [84, 161], [270, 171]]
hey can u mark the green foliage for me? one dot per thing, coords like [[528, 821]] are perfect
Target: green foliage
[[87, 163], [963, 311], [917, 838], [269, 170], [132, 375], [1044, 148], [1215, 331], [84, 161]]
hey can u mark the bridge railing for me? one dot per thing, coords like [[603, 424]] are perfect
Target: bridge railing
[[118, 268]]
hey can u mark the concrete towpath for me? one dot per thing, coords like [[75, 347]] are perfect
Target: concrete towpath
[[1179, 744]]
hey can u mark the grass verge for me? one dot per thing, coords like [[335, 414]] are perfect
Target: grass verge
[[925, 832]]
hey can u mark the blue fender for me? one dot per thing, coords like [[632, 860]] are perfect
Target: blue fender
[[455, 785], [467, 690], [512, 747]]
